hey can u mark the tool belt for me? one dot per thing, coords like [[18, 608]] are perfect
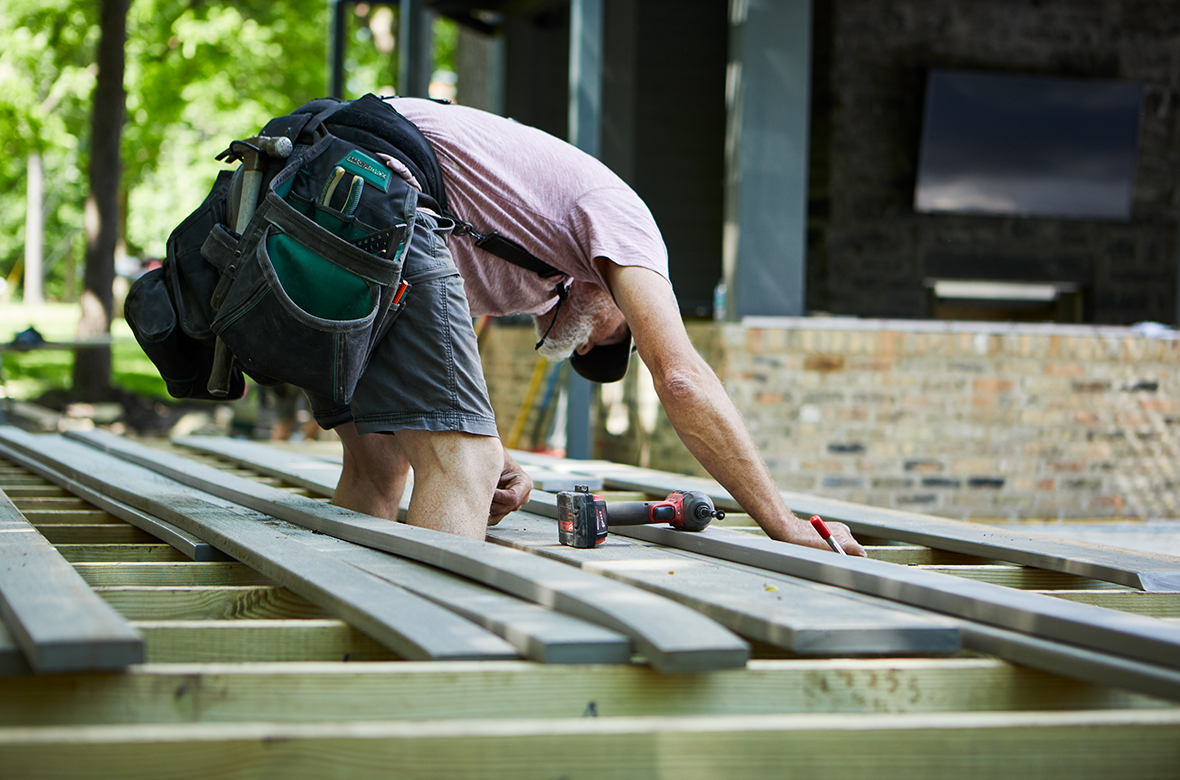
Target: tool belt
[[305, 291]]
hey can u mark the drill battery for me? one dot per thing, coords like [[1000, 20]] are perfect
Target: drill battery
[[581, 518]]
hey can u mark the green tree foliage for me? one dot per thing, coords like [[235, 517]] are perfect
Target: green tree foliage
[[199, 73], [46, 77]]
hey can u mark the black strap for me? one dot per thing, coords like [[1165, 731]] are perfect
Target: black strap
[[507, 249], [563, 292]]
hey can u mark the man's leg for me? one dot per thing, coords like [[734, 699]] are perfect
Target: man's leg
[[374, 474], [455, 475]]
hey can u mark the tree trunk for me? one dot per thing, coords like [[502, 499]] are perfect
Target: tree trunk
[[92, 367]]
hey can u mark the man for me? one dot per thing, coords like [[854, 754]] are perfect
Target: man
[[424, 384]]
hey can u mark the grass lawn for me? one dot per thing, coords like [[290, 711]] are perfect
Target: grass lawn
[[29, 375]]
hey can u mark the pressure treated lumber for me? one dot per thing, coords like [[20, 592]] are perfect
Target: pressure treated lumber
[[1144, 744], [409, 625], [460, 690], [1022, 577], [190, 545], [58, 622], [257, 641], [185, 573], [92, 553], [1160, 605], [1136, 570], [105, 533], [245, 602], [672, 637], [805, 618], [12, 661]]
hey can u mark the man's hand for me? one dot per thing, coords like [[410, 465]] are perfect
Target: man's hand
[[799, 531], [512, 491]]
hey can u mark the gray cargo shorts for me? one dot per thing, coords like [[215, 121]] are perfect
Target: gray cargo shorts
[[425, 374]]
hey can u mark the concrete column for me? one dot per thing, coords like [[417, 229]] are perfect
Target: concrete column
[[585, 123], [768, 94]]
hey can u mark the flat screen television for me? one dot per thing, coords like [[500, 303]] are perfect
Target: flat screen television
[[1033, 146]]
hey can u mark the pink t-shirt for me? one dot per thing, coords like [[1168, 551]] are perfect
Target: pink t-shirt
[[558, 202]]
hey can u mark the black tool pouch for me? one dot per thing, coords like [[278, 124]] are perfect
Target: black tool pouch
[[169, 311], [314, 281], [184, 362]]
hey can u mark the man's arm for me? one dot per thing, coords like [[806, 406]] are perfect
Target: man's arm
[[701, 411]]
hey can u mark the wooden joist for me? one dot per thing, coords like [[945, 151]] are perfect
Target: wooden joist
[[672, 637], [91, 553], [407, 624], [315, 692], [12, 660], [223, 602], [258, 641], [802, 617], [1137, 570], [58, 622], [185, 573], [1136, 743]]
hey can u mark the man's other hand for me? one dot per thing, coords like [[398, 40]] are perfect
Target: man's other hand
[[512, 491]]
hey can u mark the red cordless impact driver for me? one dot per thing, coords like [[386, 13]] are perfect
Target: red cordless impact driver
[[583, 518]]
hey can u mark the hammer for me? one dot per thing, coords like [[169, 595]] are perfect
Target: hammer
[[583, 518], [250, 152]]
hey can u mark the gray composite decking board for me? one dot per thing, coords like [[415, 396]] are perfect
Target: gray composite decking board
[[805, 618], [672, 637], [538, 633], [193, 547], [1136, 637], [320, 473], [56, 620], [1019, 626], [1128, 568], [411, 626]]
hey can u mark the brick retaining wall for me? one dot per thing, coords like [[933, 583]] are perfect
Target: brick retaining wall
[[964, 420]]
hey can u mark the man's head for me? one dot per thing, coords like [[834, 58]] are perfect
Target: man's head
[[589, 330]]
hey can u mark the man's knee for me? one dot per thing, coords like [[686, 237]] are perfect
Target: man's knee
[[461, 456]]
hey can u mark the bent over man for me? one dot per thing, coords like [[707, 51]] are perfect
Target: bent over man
[[424, 383]]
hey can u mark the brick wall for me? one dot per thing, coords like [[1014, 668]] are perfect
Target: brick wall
[[963, 420]]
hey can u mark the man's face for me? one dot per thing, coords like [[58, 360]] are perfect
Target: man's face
[[588, 318], [609, 330]]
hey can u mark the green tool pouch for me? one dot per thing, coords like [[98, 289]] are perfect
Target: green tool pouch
[[314, 281]]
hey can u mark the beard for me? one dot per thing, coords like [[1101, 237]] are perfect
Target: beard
[[586, 306]]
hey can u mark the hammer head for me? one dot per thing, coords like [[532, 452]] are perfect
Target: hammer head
[[581, 518]]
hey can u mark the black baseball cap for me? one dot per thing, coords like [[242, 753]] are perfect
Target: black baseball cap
[[605, 362]]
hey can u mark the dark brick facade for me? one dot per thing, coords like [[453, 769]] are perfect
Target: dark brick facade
[[869, 252]]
